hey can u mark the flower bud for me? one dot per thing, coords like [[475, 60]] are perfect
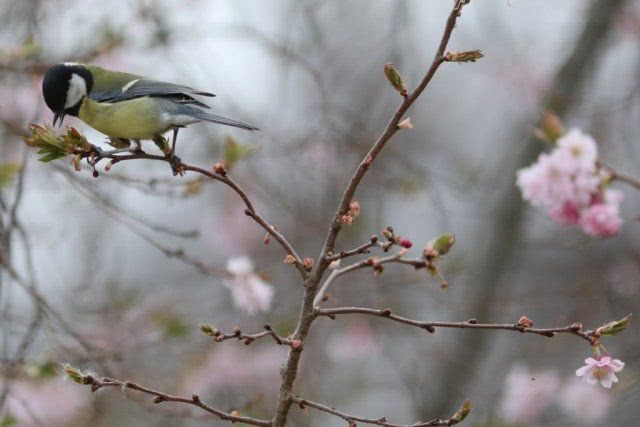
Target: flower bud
[[74, 374], [346, 219], [388, 233], [463, 412], [405, 124], [405, 243], [307, 263], [525, 322], [334, 265], [439, 246], [295, 344], [289, 259], [395, 79], [354, 208], [550, 128], [208, 329], [467, 56], [615, 327], [220, 169]]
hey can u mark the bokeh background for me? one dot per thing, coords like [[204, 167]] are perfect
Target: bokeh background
[[89, 272]]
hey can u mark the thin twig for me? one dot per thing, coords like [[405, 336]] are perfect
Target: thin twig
[[160, 397], [369, 262], [362, 249], [250, 211], [306, 316], [219, 336], [352, 419], [573, 329]]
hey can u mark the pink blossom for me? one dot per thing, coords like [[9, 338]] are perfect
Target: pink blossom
[[233, 368], [601, 220], [582, 149], [55, 403], [567, 214], [248, 291], [527, 394], [602, 370], [567, 183], [587, 405], [356, 341]]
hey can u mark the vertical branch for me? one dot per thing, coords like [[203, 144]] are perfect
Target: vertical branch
[[306, 317]]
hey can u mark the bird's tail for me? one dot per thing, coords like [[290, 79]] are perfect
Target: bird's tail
[[207, 117]]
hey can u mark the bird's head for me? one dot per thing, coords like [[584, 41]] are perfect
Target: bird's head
[[64, 87]]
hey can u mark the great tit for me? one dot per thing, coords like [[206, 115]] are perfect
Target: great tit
[[125, 106]]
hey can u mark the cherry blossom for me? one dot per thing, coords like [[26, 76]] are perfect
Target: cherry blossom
[[587, 405], [527, 394], [568, 184], [602, 370], [248, 291]]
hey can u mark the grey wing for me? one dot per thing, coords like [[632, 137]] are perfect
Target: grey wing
[[144, 87]]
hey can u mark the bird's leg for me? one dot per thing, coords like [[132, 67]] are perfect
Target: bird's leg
[[175, 138], [131, 147], [174, 161]]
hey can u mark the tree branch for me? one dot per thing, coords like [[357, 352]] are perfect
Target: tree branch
[[160, 397], [307, 316], [219, 336], [389, 132], [369, 262], [573, 329], [351, 419], [250, 211]]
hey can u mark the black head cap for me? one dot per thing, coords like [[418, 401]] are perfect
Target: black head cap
[[64, 86]]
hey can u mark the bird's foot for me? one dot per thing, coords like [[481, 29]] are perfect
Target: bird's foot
[[176, 164]]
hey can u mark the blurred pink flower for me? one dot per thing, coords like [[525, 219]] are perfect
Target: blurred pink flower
[[232, 367], [567, 183], [581, 148], [356, 341], [602, 370], [601, 220], [526, 394], [54, 403], [248, 291], [587, 405]]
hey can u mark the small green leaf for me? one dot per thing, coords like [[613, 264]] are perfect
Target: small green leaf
[[172, 325], [9, 421], [7, 172], [234, 152]]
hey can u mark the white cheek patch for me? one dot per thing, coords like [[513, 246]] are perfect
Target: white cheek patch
[[77, 90]]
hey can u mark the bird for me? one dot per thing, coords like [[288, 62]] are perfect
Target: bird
[[126, 107]]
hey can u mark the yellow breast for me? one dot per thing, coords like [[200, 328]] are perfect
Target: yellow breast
[[137, 118]]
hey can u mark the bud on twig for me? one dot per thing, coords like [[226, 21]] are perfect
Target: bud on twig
[[463, 412], [289, 259], [614, 328], [467, 56], [354, 208], [220, 169], [388, 233], [395, 78], [346, 219], [208, 329], [439, 246], [307, 263], [405, 124], [550, 128], [404, 242], [75, 375], [525, 322]]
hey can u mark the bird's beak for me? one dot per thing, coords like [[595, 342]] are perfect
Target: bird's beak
[[58, 117]]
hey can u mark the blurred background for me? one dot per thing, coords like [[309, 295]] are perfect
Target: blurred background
[[114, 274]]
